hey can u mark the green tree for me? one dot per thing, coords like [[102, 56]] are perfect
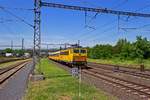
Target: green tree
[[19, 52], [117, 49], [140, 49], [8, 50]]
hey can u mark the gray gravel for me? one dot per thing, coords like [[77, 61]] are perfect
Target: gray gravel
[[14, 88]]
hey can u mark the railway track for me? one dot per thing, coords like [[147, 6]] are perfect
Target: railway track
[[121, 66], [142, 90], [9, 60], [129, 71], [8, 72]]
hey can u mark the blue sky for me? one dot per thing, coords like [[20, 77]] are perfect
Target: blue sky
[[62, 26]]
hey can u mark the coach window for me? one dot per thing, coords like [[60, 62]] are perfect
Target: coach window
[[61, 53], [65, 53]]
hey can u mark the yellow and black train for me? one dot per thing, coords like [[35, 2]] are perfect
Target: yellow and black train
[[70, 56]]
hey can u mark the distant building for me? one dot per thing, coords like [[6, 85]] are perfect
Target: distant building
[[8, 54], [27, 55], [17, 55]]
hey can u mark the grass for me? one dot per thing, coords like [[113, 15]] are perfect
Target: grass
[[59, 85], [7, 64], [115, 61]]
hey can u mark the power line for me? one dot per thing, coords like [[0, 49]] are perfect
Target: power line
[[140, 9], [135, 28], [100, 27], [125, 1], [98, 10], [120, 4], [104, 31], [87, 24], [19, 18], [21, 9], [125, 29], [3, 20]]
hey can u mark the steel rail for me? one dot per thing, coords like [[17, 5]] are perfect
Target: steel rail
[[134, 73], [119, 82], [11, 71]]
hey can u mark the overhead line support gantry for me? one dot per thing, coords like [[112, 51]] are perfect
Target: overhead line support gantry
[[37, 32], [97, 10]]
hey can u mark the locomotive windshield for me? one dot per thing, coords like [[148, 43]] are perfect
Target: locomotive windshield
[[79, 51], [82, 51]]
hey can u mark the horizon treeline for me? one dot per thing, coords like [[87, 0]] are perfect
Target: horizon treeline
[[123, 49]]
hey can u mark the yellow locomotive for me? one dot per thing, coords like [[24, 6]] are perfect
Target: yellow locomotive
[[70, 56]]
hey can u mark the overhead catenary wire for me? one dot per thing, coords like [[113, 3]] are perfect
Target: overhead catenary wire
[[142, 8], [11, 32], [118, 5], [123, 2], [14, 8], [3, 20], [139, 9], [104, 31], [135, 28], [17, 17], [88, 22], [94, 17], [96, 29]]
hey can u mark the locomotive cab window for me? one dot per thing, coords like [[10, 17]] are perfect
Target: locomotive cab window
[[83, 51], [76, 51]]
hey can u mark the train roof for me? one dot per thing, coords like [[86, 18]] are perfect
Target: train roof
[[58, 51], [55, 52]]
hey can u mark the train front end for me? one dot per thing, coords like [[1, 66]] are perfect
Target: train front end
[[79, 56]]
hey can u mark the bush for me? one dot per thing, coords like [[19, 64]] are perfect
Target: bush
[[140, 49]]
